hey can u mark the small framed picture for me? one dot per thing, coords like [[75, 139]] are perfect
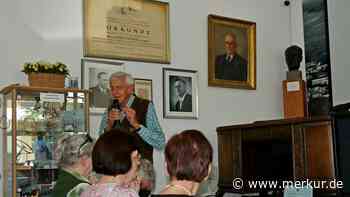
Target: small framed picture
[[232, 53], [95, 77], [143, 88], [180, 89]]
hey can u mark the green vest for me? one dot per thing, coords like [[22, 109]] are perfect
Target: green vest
[[65, 182]]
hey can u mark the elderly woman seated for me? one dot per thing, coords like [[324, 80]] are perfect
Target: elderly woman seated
[[73, 153], [188, 157], [115, 157]]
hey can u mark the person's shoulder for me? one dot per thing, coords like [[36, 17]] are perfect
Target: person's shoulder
[[221, 56], [124, 190], [241, 59], [78, 190]]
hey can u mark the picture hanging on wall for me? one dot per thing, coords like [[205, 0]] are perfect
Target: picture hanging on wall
[[95, 77], [317, 57], [232, 53], [143, 88], [180, 88], [135, 30]]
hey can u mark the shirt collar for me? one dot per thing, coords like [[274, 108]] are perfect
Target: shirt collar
[[130, 100], [181, 99], [230, 57]]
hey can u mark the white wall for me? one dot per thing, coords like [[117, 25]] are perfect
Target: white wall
[[52, 30], [339, 31]]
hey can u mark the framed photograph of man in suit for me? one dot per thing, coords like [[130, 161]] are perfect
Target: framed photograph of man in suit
[[231, 53], [95, 77], [180, 89]]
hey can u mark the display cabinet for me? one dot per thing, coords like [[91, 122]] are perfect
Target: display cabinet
[[33, 120]]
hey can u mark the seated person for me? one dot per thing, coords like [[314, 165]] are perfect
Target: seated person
[[188, 157], [73, 153], [116, 159]]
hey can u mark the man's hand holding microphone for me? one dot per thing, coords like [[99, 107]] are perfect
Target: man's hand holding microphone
[[115, 115]]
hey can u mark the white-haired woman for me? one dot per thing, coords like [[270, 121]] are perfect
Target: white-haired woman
[[73, 153]]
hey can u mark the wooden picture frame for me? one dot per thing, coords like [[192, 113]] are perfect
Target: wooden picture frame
[[231, 53], [180, 88], [136, 30], [143, 88]]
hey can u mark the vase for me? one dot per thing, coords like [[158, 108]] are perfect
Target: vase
[[48, 80]]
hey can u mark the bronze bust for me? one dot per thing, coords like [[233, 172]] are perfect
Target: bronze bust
[[294, 55]]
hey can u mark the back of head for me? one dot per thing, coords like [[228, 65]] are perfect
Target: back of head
[[188, 156], [70, 147], [112, 153]]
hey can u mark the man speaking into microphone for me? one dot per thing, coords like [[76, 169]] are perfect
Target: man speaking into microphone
[[136, 115]]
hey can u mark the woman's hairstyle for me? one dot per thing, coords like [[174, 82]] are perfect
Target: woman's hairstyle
[[112, 153], [188, 156], [70, 147]]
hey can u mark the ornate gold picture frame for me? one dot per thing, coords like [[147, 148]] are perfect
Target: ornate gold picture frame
[[231, 53], [136, 30]]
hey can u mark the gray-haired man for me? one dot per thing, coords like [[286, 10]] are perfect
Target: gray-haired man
[[137, 115]]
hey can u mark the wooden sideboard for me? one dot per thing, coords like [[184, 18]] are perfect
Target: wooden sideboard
[[287, 149]]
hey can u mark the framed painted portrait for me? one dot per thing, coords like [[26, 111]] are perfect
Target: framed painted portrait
[[180, 89], [231, 53], [95, 77], [143, 88], [136, 30]]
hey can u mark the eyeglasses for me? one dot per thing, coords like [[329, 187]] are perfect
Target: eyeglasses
[[87, 140]]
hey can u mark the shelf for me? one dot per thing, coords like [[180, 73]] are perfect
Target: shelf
[[23, 168], [40, 89]]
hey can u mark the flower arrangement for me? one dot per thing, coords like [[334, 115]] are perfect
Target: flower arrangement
[[45, 67]]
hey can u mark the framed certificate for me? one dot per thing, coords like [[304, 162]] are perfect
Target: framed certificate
[[136, 30]]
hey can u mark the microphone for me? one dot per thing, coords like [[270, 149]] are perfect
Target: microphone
[[116, 106]]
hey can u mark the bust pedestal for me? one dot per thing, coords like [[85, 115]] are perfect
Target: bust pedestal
[[294, 99]]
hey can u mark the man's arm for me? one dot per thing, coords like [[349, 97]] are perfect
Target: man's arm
[[153, 133]]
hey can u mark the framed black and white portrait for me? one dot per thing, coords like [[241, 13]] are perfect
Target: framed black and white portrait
[[95, 77], [180, 89]]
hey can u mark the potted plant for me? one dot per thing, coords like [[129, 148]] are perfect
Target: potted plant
[[45, 74]]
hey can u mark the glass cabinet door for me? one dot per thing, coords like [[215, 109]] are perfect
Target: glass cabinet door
[[33, 119], [41, 118]]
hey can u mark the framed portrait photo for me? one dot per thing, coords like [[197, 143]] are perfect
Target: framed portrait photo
[[143, 88], [180, 89], [95, 77], [231, 53], [136, 30]]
